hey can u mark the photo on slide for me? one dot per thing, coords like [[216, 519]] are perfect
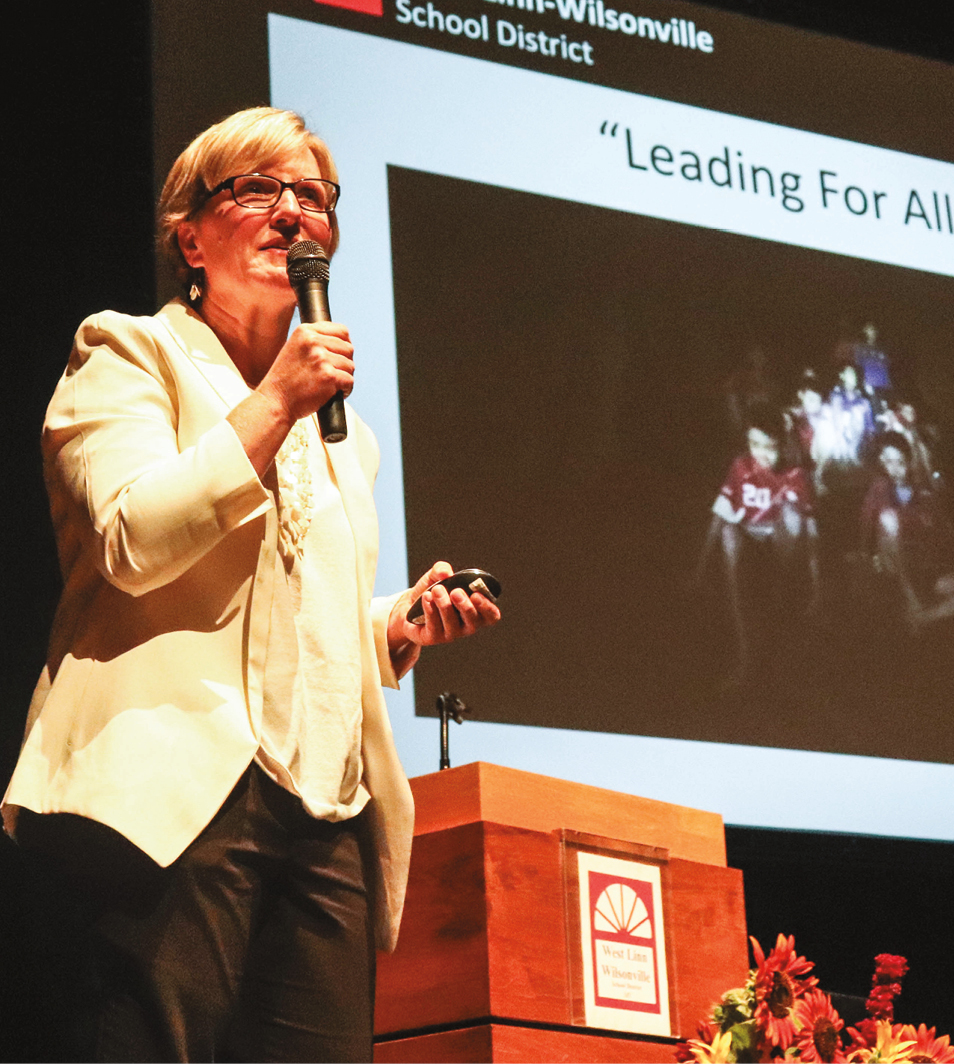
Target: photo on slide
[[711, 472]]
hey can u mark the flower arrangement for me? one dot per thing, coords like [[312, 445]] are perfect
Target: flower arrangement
[[780, 1014]]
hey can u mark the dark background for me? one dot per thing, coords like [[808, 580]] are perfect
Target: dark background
[[78, 220]]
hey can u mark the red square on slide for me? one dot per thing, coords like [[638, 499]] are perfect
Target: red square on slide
[[368, 7]]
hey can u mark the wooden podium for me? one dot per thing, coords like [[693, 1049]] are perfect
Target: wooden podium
[[487, 968]]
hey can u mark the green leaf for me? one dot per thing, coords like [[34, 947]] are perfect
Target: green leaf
[[745, 1041], [735, 1007]]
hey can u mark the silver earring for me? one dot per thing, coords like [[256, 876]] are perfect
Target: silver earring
[[195, 293]]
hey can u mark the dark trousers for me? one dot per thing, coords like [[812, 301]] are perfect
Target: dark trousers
[[255, 945]]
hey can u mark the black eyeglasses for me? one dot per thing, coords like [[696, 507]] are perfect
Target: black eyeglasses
[[259, 192]]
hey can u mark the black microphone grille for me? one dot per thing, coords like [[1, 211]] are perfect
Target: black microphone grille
[[307, 261]]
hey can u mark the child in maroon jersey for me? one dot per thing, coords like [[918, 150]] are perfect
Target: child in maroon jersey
[[762, 510]]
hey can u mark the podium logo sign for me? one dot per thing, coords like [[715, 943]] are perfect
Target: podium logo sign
[[625, 982], [624, 943]]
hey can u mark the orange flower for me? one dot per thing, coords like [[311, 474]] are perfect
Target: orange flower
[[927, 1048], [780, 979], [684, 1050], [818, 1026], [719, 1052], [892, 1045]]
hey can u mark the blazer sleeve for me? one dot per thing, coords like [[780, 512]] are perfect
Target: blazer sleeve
[[380, 613], [113, 460], [369, 458]]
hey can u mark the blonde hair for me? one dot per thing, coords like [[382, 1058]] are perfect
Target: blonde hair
[[245, 142]]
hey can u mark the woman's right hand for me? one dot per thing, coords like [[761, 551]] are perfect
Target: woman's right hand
[[315, 363]]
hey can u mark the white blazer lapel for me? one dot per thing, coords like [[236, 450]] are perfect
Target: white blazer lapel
[[191, 334]]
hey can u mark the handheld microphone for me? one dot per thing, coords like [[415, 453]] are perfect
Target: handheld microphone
[[308, 272]]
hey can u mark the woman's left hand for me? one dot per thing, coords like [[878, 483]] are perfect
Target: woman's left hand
[[447, 616]]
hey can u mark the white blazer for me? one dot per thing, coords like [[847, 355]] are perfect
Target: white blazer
[[149, 709]]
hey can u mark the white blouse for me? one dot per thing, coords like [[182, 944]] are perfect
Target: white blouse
[[311, 715]]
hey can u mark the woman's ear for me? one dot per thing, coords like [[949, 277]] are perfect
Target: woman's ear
[[188, 245]]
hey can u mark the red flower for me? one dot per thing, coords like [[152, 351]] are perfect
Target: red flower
[[864, 1035], [818, 1025], [880, 1003], [927, 1048], [780, 979], [890, 968], [885, 986], [683, 1053]]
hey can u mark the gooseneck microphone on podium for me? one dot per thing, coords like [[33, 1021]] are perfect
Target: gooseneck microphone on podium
[[308, 273]]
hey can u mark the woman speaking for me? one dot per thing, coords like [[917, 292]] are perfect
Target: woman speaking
[[208, 759]]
